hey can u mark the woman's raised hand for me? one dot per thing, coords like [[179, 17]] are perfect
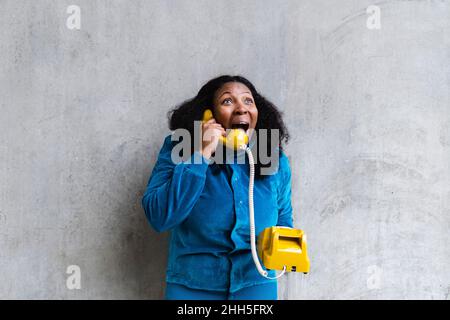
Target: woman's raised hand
[[211, 131]]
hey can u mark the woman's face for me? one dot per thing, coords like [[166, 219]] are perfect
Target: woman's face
[[234, 107]]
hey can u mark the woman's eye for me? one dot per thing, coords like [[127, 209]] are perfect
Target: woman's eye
[[248, 100], [226, 100]]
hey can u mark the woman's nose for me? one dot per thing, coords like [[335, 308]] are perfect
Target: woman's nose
[[240, 109]]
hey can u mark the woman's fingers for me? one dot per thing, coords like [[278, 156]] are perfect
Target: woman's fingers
[[212, 126], [216, 126], [212, 131], [212, 120], [224, 133]]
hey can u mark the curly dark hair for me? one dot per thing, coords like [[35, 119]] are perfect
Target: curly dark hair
[[269, 117]]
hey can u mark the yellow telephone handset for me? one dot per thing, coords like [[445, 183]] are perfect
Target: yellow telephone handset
[[235, 139]]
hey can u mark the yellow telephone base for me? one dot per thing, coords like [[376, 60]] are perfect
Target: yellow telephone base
[[283, 246]]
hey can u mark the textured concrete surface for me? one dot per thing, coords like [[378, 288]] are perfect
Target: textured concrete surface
[[83, 118]]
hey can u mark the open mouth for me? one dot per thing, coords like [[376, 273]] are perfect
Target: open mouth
[[244, 126]]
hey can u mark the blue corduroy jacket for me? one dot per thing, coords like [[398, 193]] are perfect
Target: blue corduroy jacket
[[205, 207]]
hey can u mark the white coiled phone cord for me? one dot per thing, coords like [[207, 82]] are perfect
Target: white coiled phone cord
[[263, 272]]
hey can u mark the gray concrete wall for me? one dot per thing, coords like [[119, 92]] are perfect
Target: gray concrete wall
[[83, 118]]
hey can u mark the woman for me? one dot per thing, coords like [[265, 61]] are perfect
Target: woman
[[205, 204]]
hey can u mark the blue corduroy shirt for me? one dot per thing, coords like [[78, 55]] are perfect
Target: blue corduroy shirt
[[205, 207]]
